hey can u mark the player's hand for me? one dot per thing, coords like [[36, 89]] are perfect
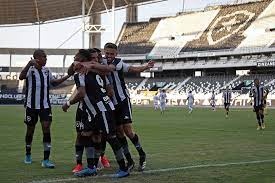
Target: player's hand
[[77, 66], [34, 62], [150, 64], [65, 107]]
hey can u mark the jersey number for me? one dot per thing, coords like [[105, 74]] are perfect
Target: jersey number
[[100, 83]]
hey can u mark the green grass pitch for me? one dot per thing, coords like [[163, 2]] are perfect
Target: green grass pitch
[[173, 140]]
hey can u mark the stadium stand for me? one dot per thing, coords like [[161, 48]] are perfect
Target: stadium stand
[[64, 88], [9, 86], [259, 34], [134, 37], [206, 84], [220, 27], [226, 30], [173, 33]]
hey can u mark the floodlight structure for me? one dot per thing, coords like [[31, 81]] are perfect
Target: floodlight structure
[[37, 12]]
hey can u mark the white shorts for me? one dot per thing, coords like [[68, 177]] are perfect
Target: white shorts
[[162, 105]]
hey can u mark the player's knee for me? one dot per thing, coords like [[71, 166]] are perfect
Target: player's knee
[[120, 131], [129, 131], [46, 127], [30, 130], [96, 138]]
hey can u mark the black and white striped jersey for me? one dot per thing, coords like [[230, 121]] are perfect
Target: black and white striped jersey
[[37, 88], [117, 80], [226, 97], [96, 99], [258, 94]]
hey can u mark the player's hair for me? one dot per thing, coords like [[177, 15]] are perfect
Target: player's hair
[[38, 53], [110, 45], [256, 79], [97, 50], [92, 50], [85, 53]]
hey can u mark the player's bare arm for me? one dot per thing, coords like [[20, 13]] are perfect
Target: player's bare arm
[[79, 96], [138, 69], [110, 90], [85, 67], [23, 74]]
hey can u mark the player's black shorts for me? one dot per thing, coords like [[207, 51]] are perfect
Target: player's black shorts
[[258, 108], [226, 105], [103, 122], [84, 121], [123, 112], [31, 117]]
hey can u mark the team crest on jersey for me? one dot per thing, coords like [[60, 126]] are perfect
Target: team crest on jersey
[[126, 117], [228, 25], [46, 73]]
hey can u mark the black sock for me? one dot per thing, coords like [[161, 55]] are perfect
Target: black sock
[[79, 153], [135, 141], [125, 147], [47, 145], [98, 150], [28, 149], [259, 119], [103, 147], [28, 140], [118, 151], [262, 118], [90, 151]]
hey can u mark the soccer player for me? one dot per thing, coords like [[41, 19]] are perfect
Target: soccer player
[[162, 99], [38, 81], [156, 101], [79, 148], [121, 99], [103, 159], [265, 102], [258, 93], [190, 100], [97, 112], [213, 101], [227, 100]]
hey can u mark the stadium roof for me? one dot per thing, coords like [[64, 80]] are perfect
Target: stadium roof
[[31, 11]]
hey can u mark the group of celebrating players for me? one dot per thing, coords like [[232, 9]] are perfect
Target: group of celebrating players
[[104, 112]]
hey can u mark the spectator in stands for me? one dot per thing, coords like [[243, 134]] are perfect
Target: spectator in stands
[[38, 81], [190, 99], [258, 92]]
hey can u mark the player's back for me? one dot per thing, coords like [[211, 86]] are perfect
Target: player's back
[[96, 95]]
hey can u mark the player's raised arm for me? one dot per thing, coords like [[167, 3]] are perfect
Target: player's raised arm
[[23, 74], [56, 82], [80, 93], [138, 69]]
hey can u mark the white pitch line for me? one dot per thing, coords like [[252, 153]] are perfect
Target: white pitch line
[[163, 170]]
